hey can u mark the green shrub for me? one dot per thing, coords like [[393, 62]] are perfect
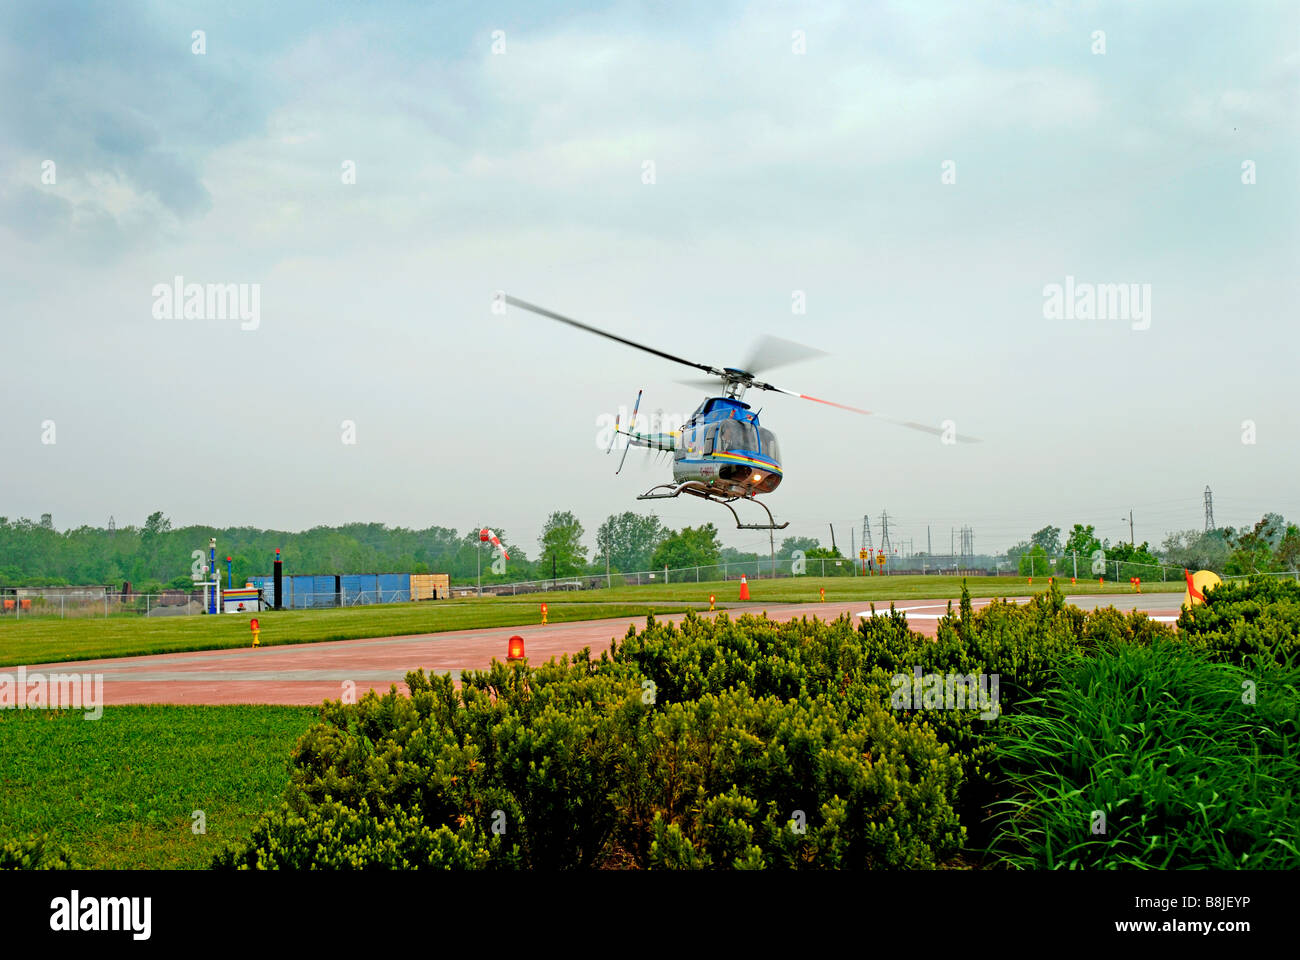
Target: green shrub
[[1254, 621], [36, 853], [748, 744]]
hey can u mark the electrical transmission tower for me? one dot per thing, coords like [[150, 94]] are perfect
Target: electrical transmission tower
[[866, 533], [112, 526], [1209, 511], [967, 543], [884, 533]]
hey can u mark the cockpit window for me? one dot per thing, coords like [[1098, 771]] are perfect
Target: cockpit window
[[737, 435], [770, 449]]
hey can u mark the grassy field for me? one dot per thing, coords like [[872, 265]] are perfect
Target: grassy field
[[119, 792], [49, 640], [805, 589], [45, 640]]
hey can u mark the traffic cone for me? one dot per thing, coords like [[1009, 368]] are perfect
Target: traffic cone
[[744, 588]]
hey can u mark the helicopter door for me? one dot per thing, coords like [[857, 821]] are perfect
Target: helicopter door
[[710, 440]]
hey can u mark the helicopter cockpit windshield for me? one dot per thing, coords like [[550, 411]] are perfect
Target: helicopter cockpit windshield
[[737, 435], [770, 448]]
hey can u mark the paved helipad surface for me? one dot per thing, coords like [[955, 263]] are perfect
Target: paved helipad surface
[[311, 672]]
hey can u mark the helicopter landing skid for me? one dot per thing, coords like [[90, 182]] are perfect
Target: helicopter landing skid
[[704, 493]]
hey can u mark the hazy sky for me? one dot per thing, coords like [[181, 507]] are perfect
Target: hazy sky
[[774, 171]]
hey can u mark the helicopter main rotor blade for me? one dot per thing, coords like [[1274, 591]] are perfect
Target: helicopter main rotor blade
[[542, 311], [909, 424], [769, 352]]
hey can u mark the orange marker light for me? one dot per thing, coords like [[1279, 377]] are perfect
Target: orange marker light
[[515, 648]]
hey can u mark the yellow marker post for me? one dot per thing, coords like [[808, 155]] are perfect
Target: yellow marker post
[[1197, 584], [543, 614], [823, 590], [712, 598], [256, 631]]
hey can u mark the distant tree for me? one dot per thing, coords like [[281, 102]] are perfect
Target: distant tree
[[790, 544], [1034, 562], [1252, 550], [561, 545], [1078, 550], [155, 526], [823, 553], [1049, 538], [1196, 550], [629, 539], [689, 547], [1288, 550], [1016, 550]]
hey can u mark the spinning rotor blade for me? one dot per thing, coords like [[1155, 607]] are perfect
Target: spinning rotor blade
[[542, 311], [909, 424], [767, 353]]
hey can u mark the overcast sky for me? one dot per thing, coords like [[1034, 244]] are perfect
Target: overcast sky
[[524, 169]]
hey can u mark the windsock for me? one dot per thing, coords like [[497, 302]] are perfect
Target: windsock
[[487, 535]]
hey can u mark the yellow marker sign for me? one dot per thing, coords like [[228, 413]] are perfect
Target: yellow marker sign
[[1197, 584]]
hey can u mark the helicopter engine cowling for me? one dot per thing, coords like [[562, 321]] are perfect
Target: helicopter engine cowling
[[733, 479]]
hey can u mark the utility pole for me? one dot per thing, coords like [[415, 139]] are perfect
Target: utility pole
[[1131, 541], [832, 526]]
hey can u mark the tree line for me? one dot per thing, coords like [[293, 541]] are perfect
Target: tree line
[[158, 556], [1272, 545]]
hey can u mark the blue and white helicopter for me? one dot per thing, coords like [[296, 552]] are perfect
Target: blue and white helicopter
[[722, 453]]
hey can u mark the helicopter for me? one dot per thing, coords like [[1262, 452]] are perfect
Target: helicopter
[[722, 453]]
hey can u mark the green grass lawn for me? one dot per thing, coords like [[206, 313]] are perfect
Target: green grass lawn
[[50, 640], [119, 792], [805, 589]]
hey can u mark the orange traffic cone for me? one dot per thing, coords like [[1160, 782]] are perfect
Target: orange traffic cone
[[744, 588]]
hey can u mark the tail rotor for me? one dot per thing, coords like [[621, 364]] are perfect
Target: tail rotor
[[630, 428]]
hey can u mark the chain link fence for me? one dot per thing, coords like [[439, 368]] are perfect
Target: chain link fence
[[89, 603]]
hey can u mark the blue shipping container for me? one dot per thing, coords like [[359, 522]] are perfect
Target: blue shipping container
[[359, 589], [394, 587]]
